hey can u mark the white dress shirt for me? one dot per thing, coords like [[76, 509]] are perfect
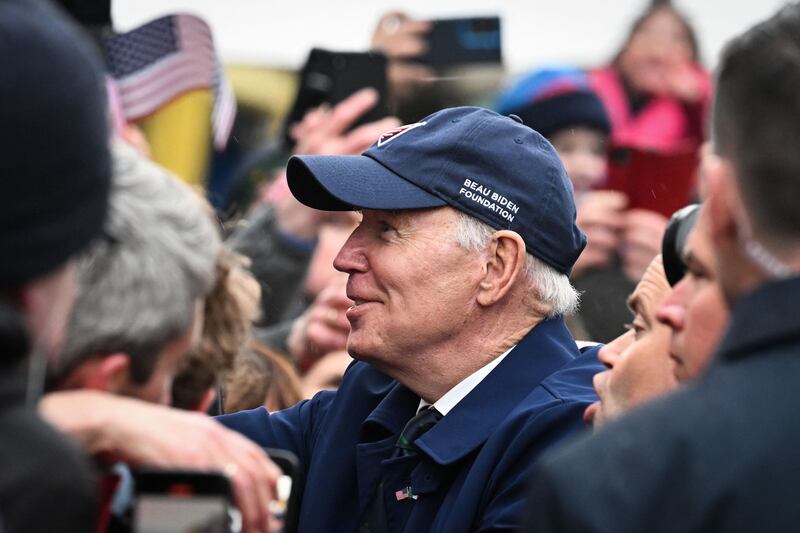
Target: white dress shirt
[[451, 398]]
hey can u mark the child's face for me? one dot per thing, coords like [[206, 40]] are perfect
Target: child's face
[[583, 152]]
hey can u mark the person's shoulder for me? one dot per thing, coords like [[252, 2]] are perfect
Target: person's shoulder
[[366, 378], [43, 470], [553, 410], [25, 432], [573, 381], [640, 451]]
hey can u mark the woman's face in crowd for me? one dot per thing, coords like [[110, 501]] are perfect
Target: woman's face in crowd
[[655, 50]]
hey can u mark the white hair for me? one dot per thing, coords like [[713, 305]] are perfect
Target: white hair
[[552, 288]]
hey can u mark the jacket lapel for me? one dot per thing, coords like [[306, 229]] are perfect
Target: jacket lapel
[[378, 435], [545, 349]]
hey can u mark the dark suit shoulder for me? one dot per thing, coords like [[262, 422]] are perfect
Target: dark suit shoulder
[[716, 456], [47, 484]]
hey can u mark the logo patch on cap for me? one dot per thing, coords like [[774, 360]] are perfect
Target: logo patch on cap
[[397, 132]]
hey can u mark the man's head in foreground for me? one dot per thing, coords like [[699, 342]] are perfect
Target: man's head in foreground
[[675, 329], [467, 240], [695, 310], [752, 178], [55, 170], [142, 285]]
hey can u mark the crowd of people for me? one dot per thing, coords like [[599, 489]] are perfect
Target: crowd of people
[[572, 312]]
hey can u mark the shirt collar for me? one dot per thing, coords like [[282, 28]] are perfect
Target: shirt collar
[[464, 387]]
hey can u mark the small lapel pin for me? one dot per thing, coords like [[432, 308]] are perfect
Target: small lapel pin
[[405, 493]]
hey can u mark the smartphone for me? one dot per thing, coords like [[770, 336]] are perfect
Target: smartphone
[[659, 182], [174, 501], [461, 41], [285, 507], [329, 77]]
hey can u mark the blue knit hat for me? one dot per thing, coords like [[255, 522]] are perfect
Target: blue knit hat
[[554, 99], [55, 170]]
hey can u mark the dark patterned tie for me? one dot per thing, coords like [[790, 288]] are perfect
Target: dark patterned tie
[[422, 422], [375, 515]]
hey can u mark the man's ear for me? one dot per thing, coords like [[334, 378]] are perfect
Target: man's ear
[[205, 402], [110, 373], [505, 263], [723, 201]]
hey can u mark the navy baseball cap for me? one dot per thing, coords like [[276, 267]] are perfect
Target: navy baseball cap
[[486, 165]]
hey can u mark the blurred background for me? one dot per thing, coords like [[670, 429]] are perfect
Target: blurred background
[[259, 32], [222, 93]]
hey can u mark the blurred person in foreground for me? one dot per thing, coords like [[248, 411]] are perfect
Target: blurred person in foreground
[[679, 318], [695, 310], [56, 171], [719, 455], [143, 286], [140, 308], [466, 372], [560, 104]]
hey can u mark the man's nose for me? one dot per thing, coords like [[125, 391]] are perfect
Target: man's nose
[[351, 257], [610, 353], [672, 311]]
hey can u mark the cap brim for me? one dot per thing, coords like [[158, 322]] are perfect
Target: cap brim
[[342, 183]]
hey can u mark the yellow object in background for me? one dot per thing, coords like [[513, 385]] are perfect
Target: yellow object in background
[[179, 135]]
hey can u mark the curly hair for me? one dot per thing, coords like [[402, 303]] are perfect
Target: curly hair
[[262, 376], [230, 310]]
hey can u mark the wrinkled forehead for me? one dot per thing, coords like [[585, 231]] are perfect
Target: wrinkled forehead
[[651, 289], [433, 217]]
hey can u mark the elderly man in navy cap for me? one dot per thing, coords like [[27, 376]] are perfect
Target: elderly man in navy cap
[[459, 276]]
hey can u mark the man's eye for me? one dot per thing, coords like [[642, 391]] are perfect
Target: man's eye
[[697, 273], [636, 327], [384, 227]]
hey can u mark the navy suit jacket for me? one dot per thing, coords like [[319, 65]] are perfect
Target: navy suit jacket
[[475, 462], [720, 455]]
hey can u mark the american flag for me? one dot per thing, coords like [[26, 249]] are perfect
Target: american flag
[[405, 493], [155, 63]]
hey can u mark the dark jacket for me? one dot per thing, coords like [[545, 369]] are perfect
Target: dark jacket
[[278, 264], [721, 455], [475, 461], [46, 484]]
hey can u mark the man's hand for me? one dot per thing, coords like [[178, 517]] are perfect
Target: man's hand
[[601, 217], [142, 434], [641, 241], [323, 131], [323, 327], [402, 39]]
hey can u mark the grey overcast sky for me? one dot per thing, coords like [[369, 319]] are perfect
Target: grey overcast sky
[[535, 32]]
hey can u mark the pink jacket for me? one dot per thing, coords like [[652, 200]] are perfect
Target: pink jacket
[[665, 124]]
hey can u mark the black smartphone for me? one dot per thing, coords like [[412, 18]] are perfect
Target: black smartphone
[[285, 508], [174, 501], [461, 41], [329, 77]]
